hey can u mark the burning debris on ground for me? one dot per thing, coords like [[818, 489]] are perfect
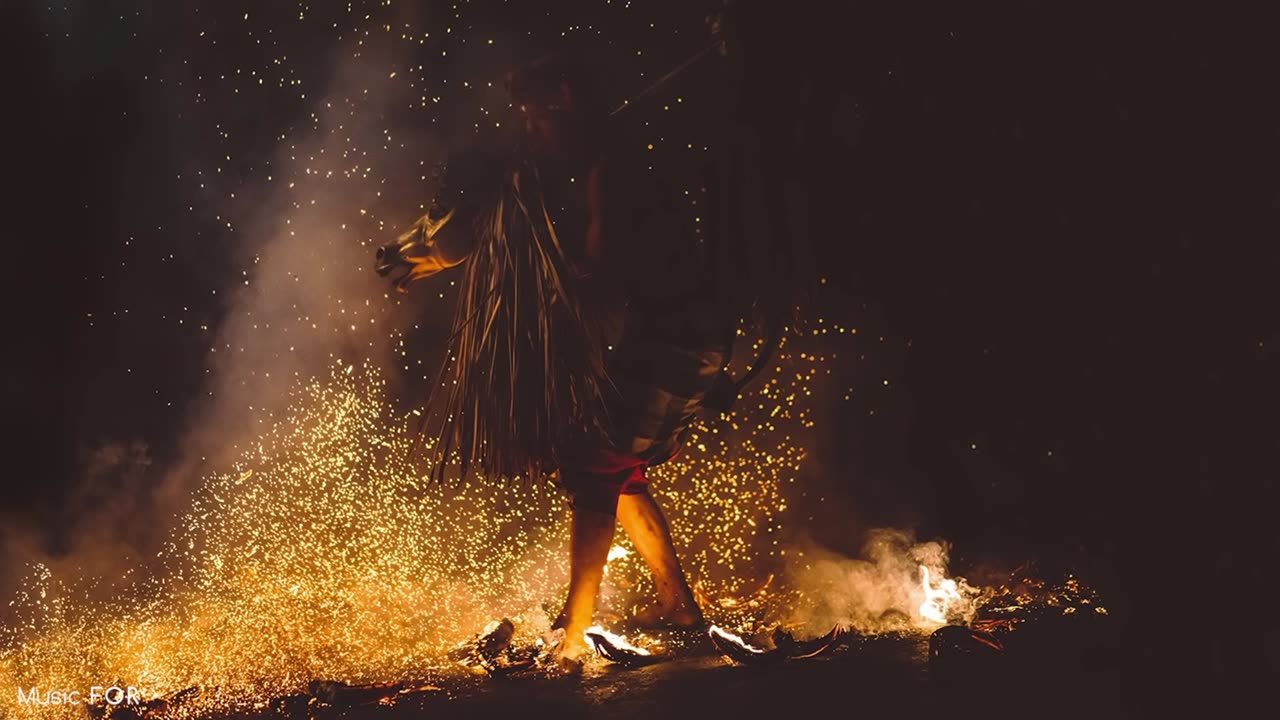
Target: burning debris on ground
[[1026, 626], [959, 650], [491, 651], [617, 649], [782, 646]]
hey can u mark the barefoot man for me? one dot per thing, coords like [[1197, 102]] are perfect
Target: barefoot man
[[586, 334]]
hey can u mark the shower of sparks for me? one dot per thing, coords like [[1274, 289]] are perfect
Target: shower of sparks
[[312, 549], [322, 554]]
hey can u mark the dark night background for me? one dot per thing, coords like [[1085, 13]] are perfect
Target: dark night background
[[1060, 218]]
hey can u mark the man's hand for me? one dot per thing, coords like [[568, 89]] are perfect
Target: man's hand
[[414, 252]]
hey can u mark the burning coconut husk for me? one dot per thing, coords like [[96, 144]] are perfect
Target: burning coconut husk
[[785, 646], [488, 644], [617, 649], [515, 660], [491, 651], [802, 650]]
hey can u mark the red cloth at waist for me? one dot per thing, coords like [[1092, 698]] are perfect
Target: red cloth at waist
[[597, 476]]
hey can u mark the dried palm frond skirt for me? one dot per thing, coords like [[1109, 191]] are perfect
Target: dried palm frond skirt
[[530, 387]]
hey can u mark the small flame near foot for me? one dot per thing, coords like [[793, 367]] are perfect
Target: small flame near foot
[[719, 633], [617, 649], [617, 641], [785, 646], [737, 650]]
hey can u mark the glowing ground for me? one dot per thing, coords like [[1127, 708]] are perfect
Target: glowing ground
[[887, 676], [320, 558]]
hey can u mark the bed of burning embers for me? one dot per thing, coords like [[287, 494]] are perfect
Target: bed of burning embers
[[1020, 619]]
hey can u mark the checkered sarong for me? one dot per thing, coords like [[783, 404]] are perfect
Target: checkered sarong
[[661, 370]]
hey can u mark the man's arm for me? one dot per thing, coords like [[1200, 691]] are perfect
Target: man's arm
[[436, 243]]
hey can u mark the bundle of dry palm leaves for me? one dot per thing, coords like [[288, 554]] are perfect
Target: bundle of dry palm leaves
[[525, 376]]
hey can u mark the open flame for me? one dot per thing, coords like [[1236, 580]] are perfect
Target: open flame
[[723, 634], [617, 552], [940, 600], [618, 641]]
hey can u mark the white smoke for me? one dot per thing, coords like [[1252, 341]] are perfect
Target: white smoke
[[880, 591]]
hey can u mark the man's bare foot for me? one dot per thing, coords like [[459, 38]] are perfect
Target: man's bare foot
[[571, 650], [659, 617]]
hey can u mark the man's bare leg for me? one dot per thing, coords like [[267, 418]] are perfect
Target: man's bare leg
[[589, 541], [647, 527]]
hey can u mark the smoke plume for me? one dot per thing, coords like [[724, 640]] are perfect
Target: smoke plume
[[882, 590]]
